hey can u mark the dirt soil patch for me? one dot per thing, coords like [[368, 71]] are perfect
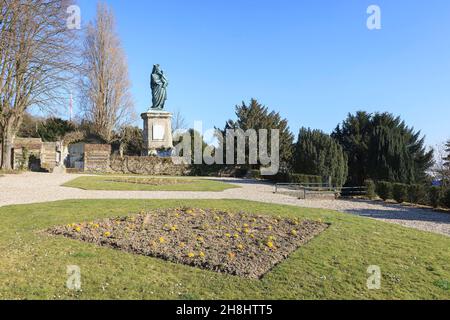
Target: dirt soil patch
[[235, 243]]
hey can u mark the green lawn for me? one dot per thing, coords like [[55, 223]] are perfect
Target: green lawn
[[106, 183], [414, 264]]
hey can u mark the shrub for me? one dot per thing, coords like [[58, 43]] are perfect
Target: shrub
[[254, 174], [435, 195], [279, 177], [284, 177], [446, 198], [54, 129], [240, 172], [400, 192], [384, 190], [417, 193], [24, 159], [370, 186], [304, 178]]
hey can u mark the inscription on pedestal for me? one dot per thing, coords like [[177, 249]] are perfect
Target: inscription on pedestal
[[157, 133]]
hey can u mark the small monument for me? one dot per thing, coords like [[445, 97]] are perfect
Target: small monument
[[157, 122]]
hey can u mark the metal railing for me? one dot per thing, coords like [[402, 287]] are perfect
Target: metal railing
[[320, 188], [353, 191], [300, 185]]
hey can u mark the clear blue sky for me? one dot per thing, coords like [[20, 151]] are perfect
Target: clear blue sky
[[312, 60]]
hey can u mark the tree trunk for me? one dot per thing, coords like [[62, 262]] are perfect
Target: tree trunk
[[7, 145], [121, 149]]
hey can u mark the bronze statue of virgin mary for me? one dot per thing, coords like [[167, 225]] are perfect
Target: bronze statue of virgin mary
[[158, 83]]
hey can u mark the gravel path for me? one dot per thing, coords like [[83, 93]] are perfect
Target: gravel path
[[37, 187]]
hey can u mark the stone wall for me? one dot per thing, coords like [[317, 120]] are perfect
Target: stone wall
[[31, 144], [97, 158], [153, 166], [48, 156], [23, 150]]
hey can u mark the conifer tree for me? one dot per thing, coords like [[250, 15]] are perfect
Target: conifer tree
[[316, 153], [381, 146], [256, 116]]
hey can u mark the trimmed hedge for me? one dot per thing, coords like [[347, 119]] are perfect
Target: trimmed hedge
[[417, 193], [279, 177], [294, 178], [304, 178], [384, 190], [446, 198], [414, 193], [435, 195], [400, 192]]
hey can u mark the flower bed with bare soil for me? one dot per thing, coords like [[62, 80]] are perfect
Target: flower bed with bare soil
[[151, 181], [240, 244]]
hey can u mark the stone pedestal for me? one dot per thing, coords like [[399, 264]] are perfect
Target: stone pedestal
[[157, 133]]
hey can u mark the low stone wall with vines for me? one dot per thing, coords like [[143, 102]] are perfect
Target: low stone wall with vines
[[147, 166], [97, 157]]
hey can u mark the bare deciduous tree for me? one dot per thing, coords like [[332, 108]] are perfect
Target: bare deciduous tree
[[37, 53], [445, 155], [179, 122], [105, 96], [441, 170]]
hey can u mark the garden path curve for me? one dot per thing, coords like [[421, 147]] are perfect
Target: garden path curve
[[39, 187]]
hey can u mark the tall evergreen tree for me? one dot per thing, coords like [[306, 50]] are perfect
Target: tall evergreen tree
[[382, 147], [317, 153], [256, 116], [354, 137]]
